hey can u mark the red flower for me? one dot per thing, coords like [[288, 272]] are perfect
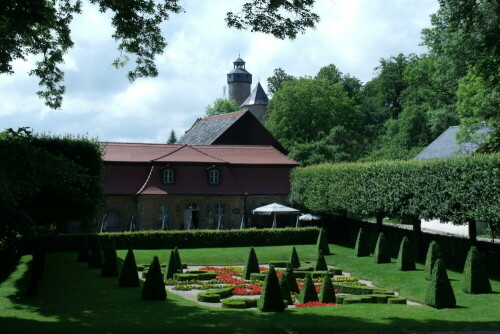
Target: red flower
[[313, 304], [247, 290]]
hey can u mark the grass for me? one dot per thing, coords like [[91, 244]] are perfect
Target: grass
[[75, 299]]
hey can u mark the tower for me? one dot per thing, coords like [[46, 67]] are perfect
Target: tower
[[239, 81]]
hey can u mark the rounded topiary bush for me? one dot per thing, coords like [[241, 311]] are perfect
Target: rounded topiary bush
[[154, 288], [271, 299], [308, 292], [285, 290], [292, 280], [433, 253], [320, 262], [382, 254], [322, 243], [327, 292], [252, 265], [294, 258], [171, 268], [406, 259], [110, 262], [128, 275], [439, 292], [475, 278], [83, 250], [361, 248], [95, 259]]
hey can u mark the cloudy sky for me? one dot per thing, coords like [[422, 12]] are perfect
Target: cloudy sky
[[101, 103]]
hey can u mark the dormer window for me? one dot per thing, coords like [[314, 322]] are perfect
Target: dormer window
[[168, 176], [214, 177]]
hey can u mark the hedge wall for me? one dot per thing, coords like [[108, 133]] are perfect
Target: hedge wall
[[454, 189], [196, 239]]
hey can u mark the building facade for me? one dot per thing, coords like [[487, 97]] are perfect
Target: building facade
[[170, 187]]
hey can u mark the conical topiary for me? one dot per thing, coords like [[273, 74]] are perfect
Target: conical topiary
[[294, 258], [83, 251], [285, 290], [361, 248], [327, 292], [475, 278], [154, 288], [110, 263], [178, 261], [171, 266], [95, 259], [439, 291], [128, 275], [320, 262], [308, 292], [252, 265], [322, 243], [406, 259], [290, 277], [381, 254], [271, 299], [433, 253]]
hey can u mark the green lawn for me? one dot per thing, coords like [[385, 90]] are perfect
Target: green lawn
[[74, 299]]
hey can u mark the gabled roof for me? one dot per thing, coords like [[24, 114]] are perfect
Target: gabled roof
[[258, 96], [211, 154], [446, 145], [207, 130]]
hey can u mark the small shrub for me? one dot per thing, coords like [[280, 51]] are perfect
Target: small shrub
[[294, 258], [178, 261], [320, 262], [308, 292], [83, 252], [110, 263], [285, 290], [380, 299], [271, 299], [357, 300], [382, 254], [327, 292], [278, 264], [433, 253], [257, 277], [171, 266], [475, 278], [322, 243], [406, 259], [439, 292], [361, 248], [396, 300], [252, 265], [208, 297], [292, 280], [95, 259], [128, 275], [154, 288], [239, 303]]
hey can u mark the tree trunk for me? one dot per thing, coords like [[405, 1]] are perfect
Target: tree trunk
[[380, 219], [472, 232], [417, 238]]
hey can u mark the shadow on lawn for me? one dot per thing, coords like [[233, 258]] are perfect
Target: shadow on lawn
[[74, 299]]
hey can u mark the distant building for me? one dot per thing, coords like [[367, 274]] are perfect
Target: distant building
[[239, 81], [446, 145], [164, 186], [237, 128]]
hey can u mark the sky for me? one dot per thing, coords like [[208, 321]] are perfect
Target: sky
[[101, 103]]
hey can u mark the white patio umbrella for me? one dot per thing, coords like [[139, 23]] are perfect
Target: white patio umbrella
[[274, 209], [309, 217]]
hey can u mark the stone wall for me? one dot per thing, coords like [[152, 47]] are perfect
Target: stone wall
[[181, 210], [239, 91]]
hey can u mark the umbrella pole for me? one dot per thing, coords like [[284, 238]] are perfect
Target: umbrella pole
[[274, 221], [297, 224]]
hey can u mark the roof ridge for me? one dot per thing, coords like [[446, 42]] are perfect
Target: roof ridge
[[165, 155], [208, 155], [132, 143]]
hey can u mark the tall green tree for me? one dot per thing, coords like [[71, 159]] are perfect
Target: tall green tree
[[275, 81], [42, 28], [172, 139], [221, 106]]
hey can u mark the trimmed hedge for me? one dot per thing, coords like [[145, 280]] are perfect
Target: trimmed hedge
[[215, 295], [381, 254], [194, 238], [83, 252], [271, 298], [475, 279], [178, 262], [433, 254], [289, 274], [406, 260], [308, 292], [294, 258], [362, 248], [322, 243], [194, 275], [95, 259], [128, 275], [285, 290], [439, 292], [396, 300], [239, 303], [110, 262], [327, 292], [320, 262], [171, 268], [252, 265], [154, 288]]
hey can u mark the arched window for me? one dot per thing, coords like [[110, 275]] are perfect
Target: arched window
[[168, 176], [214, 177]]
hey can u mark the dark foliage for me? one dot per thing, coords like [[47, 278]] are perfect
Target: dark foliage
[[128, 275], [308, 292], [361, 248], [439, 292], [110, 261], [271, 299], [178, 262], [322, 243], [252, 265], [433, 253], [154, 288], [292, 280], [95, 259], [327, 292], [294, 258], [382, 254], [406, 260], [285, 290], [83, 252], [320, 262], [171, 268], [475, 278]]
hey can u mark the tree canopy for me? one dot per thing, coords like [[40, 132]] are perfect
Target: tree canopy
[[221, 106], [42, 28]]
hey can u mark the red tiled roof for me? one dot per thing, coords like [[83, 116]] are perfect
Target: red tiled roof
[[231, 154]]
